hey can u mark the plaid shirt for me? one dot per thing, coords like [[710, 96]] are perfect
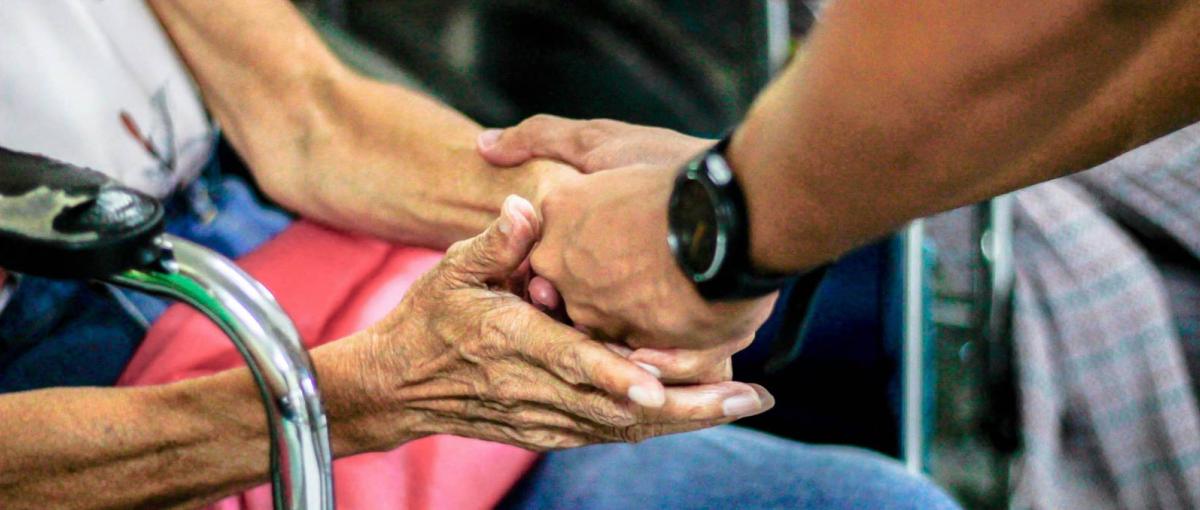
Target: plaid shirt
[[1106, 334]]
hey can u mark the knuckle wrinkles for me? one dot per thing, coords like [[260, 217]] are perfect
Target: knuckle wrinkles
[[480, 253], [599, 409], [564, 361], [455, 251], [491, 342], [540, 438], [630, 434]]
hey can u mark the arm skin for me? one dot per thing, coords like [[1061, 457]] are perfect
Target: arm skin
[[172, 446], [901, 109], [332, 145]]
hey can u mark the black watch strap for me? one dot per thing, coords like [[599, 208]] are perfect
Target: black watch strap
[[735, 278], [738, 279]]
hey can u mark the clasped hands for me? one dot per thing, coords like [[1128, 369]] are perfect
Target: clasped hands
[[475, 348], [602, 262], [604, 245]]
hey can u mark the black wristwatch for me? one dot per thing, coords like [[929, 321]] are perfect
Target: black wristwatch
[[709, 231]]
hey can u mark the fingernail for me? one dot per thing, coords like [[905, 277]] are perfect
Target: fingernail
[[768, 401], [741, 405], [507, 213], [522, 206], [647, 396], [488, 138], [654, 371]]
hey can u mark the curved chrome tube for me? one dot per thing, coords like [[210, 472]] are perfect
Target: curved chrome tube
[[301, 461]]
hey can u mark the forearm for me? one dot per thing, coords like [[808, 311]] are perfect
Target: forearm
[[398, 165], [173, 446], [155, 447], [899, 109], [330, 144]]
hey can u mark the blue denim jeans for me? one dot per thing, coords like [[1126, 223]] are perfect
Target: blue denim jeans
[[725, 467]]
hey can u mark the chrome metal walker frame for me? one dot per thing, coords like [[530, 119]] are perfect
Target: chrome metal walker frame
[[301, 460]]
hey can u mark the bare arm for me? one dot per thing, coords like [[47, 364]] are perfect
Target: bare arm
[[900, 109], [333, 145], [174, 446]]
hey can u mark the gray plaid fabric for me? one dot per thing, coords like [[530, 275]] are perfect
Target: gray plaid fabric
[[1105, 322]]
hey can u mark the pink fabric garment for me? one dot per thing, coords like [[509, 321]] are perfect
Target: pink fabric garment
[[333, 284]]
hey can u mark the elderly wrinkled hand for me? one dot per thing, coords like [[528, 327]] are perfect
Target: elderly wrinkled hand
[[464, 355], [605, 244]]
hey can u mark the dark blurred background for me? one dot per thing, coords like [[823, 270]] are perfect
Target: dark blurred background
[[690, 65]]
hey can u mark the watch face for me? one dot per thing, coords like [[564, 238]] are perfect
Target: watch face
[[695, 232]]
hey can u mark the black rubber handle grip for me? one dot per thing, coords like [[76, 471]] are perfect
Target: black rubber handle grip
[[62, 221]]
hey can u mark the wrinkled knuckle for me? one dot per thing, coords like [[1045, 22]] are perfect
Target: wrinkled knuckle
[[600, 410], [498, 325], [457, 251], [576, 442], [430, 291], [480, 350], [469, 407], [480, 256], [512, 316], [504, 398], [567, 441], [484, 350], [623, 419], [631, 434], [546, 440], [505, 403], [565, 361]]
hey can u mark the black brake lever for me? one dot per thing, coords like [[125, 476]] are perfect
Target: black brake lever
[[63, 221]]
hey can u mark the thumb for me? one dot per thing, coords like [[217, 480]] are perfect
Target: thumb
[[540, 136], [499, 251], [543, 293]]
